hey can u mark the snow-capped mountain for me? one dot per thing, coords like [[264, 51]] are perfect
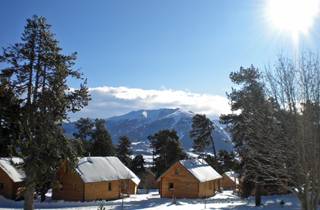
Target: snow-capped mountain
[[138, 125]]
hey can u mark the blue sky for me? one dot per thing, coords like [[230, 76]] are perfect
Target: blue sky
[[157, 44]]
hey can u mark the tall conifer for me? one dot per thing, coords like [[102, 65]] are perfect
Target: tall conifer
[[201, 133], [37, 73], [101, 140], [124, 150], [167, 149]]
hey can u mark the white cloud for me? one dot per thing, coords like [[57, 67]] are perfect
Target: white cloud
[[109, 101]]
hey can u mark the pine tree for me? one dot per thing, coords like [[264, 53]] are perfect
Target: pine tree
[[9, 128], [224, 162], [201, 133], [137, 165], [228, 161], [167, 149], [247, 132], [37, 73], [124, 150], [101, 140], [214, 162], [80, 148], [84, 128]]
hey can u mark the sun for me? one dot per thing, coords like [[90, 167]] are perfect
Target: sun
[[292, 17]]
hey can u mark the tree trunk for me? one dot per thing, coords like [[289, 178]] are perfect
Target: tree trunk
[[258, 194], [43, 196], [28, 198], [307, 203], [43, 190]]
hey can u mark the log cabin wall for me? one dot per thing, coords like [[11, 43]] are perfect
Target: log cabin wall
[[132, 187], [18, 193], [128, 186], [209, 188], [182, 183], [71, 186], [6, 185], [227, 183], [102, 190]]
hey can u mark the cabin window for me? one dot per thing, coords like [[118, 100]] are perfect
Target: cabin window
[[1, 186], [109, 186], [171, 186]]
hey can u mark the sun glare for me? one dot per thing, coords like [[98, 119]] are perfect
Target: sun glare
[[292, 17]]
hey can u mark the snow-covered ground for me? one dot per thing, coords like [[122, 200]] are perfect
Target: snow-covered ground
[[152, 201]]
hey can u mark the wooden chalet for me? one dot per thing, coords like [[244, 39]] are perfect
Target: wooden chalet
[[230, 181], [11, 177], [95, 178], [193, 178]]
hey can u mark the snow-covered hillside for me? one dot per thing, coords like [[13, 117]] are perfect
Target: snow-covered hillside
[[138, 125], [152, 201]]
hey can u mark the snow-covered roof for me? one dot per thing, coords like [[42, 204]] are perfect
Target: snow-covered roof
[[233, 176], [97, 169], [9, 166], [200, 169]]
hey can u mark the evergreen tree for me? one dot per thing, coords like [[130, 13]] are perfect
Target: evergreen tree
[[124, 150], [9, 128], [101, 140], [224, 162], [79, 148], [228, 161], [137, 165], [214, 162], [84, 128], [37, 73], [217, 162], [247, 132], [167, 150], [201, 133]]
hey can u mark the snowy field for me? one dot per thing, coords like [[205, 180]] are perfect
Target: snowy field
[[152, 201]]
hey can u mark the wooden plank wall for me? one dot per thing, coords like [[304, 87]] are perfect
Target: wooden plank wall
[[208, 189], [185, 185], [132, 187], [71, 187], [227, 183], [8, 190], [100, 190]]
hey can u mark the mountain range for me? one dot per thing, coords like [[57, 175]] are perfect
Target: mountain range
[[138, 125]]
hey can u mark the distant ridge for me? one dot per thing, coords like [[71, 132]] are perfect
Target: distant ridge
[[138, 125]]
